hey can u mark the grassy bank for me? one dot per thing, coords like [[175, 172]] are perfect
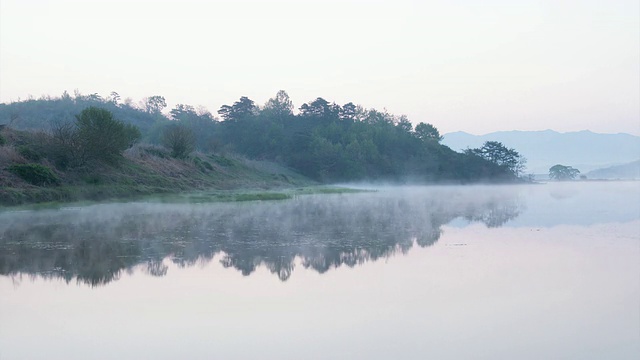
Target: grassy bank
[[248, 194], [143, 170]]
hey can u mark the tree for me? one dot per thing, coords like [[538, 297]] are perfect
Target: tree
[[100, 137], [348, 111], [404, 124], [95, 136], [319, 108], [114, 98], [561, 172], [279, 106], [183, 112], [132, 134], [66, 149], [154, 104], [179, 139], [497, 153], [426, 132], [240, 109], [200, 122]]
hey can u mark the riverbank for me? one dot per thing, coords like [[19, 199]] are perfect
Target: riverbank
[[27, 176]]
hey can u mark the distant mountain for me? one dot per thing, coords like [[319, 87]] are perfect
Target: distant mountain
[[583, 150], [625, 171]]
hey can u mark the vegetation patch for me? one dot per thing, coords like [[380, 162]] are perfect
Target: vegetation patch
[[328, 190], [202, 165], [262, 196], [262, 148], [93, 179], [156, 151], [180, 139], [221, 160], [29, 153], [35, 174]]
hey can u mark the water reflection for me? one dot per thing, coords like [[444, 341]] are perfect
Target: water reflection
[[96, 244]]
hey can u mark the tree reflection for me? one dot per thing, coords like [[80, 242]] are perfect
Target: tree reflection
[[95, 244]]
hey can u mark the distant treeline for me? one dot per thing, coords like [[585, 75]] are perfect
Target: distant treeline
[[323, 140]]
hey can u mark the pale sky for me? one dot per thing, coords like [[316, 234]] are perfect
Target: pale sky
[[474, 66]]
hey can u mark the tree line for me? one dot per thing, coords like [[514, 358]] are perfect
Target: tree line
[[322, 140]]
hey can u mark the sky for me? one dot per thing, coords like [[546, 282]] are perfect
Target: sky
[[474, 66]]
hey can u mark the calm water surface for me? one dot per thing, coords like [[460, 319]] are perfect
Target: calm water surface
[[479, 272]]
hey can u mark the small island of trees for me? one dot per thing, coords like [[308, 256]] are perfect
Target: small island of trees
[[562, 172]]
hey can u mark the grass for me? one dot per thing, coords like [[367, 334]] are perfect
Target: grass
[[328, 190], [86, 195], [251, 195], [147, 173]]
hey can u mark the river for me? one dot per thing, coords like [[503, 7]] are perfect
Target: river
[[545, 271]]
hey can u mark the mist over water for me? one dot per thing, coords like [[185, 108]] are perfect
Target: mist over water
[[95, 243], [422, 269]]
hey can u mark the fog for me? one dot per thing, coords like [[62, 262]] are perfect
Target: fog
[[95, 244], [446, 272]]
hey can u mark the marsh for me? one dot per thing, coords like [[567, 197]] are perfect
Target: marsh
[[447, 272]]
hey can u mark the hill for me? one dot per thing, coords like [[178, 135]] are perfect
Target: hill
[[583, 150], [624, 172], [142, 170], [324, 141]]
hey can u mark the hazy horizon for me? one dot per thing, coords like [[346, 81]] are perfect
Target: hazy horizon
[[461, 66], [541, 130]]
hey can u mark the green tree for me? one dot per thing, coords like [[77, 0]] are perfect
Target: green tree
[[154, 104], [241, 109], [404, 124], [427, 132], [132, 134], [348, 111], [100, 137], [279, 106], [562, 172], [183, 112], [320, 108], [497, 153]]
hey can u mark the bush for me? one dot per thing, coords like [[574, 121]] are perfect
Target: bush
[[104, 138], [29, 153], [220, 160], [2, 140], [65, 148], [157, 152], [202, 164], [95, 136], [34, 174], [180, 140]]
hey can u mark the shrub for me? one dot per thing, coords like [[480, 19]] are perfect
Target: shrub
[[220, 160], [34, 174], [9, 155], [2, 140], [202, 165], [102, 137], [65, 148], [132, 134], [29, 153], [92, 179], [95, 136], [158, 152], [180, 140]]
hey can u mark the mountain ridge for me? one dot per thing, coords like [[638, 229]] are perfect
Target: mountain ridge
[[584, 149]]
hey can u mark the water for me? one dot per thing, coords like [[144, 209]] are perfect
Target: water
[[478, 272]]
